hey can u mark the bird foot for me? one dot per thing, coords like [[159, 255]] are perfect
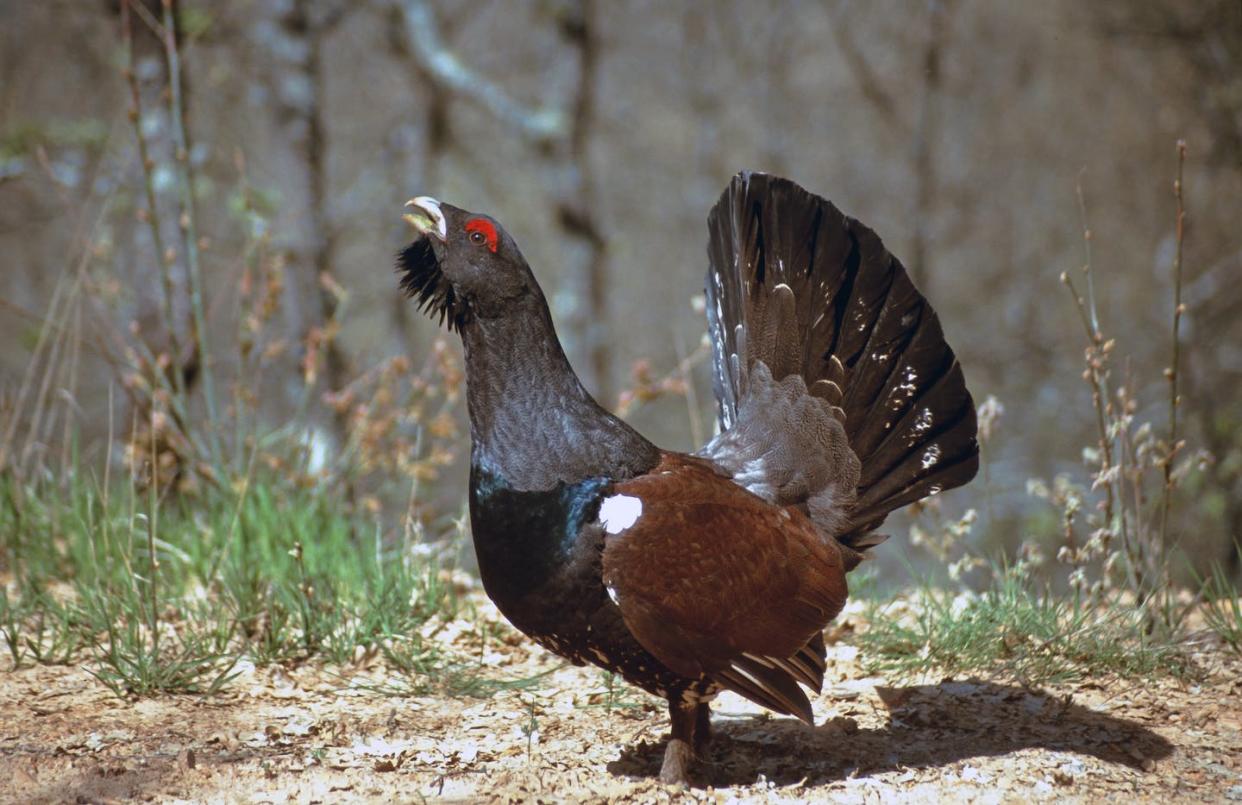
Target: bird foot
[[677, 758], [702, 730]]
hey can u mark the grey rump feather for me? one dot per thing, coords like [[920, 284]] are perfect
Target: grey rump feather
[[786, 446], [835, 387]]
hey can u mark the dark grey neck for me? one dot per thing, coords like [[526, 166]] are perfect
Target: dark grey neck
[[531, 420]]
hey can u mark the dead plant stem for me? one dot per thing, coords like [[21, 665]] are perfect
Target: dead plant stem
[[189, 227], [162, 257], [153, 565], [1172, 372], [28, 379]]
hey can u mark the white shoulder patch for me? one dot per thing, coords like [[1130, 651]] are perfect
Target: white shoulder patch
[[619, 512]]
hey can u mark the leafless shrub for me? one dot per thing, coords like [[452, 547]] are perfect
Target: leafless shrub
[[1115, 526]]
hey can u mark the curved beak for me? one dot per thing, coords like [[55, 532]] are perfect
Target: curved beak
[[427, 218]]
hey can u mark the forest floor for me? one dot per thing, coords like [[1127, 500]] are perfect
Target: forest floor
[[316, 734]]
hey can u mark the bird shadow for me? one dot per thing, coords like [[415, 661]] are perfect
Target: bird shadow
[[928, 726]]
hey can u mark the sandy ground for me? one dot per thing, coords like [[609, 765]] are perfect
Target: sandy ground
[[311, 734]]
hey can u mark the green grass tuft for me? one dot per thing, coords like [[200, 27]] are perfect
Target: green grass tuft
[[1014, 630], [169, 596], [1222, 607]]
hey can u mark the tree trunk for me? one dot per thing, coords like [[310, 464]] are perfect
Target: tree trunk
[[588, 275]]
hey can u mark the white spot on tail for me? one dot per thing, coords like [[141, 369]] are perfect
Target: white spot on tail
[[619, 512]]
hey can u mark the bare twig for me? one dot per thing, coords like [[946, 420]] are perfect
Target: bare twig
[[542, 124], [1099, 392], [188, 224], [40, 407], [53, 332], [152, 215], [8, 442], [312, 30], [1110, 475], [153, 513], [1097, 356], [1171, 372], [70, 393], [1086, 269], [148, 19], [676, 380]]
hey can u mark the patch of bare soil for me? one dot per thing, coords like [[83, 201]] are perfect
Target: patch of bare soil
[[315, 735]]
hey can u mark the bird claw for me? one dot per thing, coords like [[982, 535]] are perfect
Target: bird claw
[[677, 758]]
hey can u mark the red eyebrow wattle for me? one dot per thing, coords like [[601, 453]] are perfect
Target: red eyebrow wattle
[[487, 228]]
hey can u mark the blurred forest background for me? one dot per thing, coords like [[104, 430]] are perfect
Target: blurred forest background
[[977, 138]]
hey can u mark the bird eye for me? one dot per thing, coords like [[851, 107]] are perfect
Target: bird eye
[[482, 233]]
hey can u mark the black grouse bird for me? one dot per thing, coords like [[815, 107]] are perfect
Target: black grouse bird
[[839, 401]]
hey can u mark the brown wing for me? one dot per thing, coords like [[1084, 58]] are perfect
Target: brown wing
[[716, 582]]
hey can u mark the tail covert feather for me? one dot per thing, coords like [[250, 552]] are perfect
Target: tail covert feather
[[805, 290]]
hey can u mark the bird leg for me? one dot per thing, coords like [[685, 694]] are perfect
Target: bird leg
[[702, 727], [678, 754]]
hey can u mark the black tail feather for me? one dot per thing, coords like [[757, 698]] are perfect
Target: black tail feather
[[773, 688], [852, 324]]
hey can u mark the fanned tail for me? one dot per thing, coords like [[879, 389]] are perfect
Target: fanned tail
[[808, 291]]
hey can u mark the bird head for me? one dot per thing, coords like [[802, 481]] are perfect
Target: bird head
[[462, 265]]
